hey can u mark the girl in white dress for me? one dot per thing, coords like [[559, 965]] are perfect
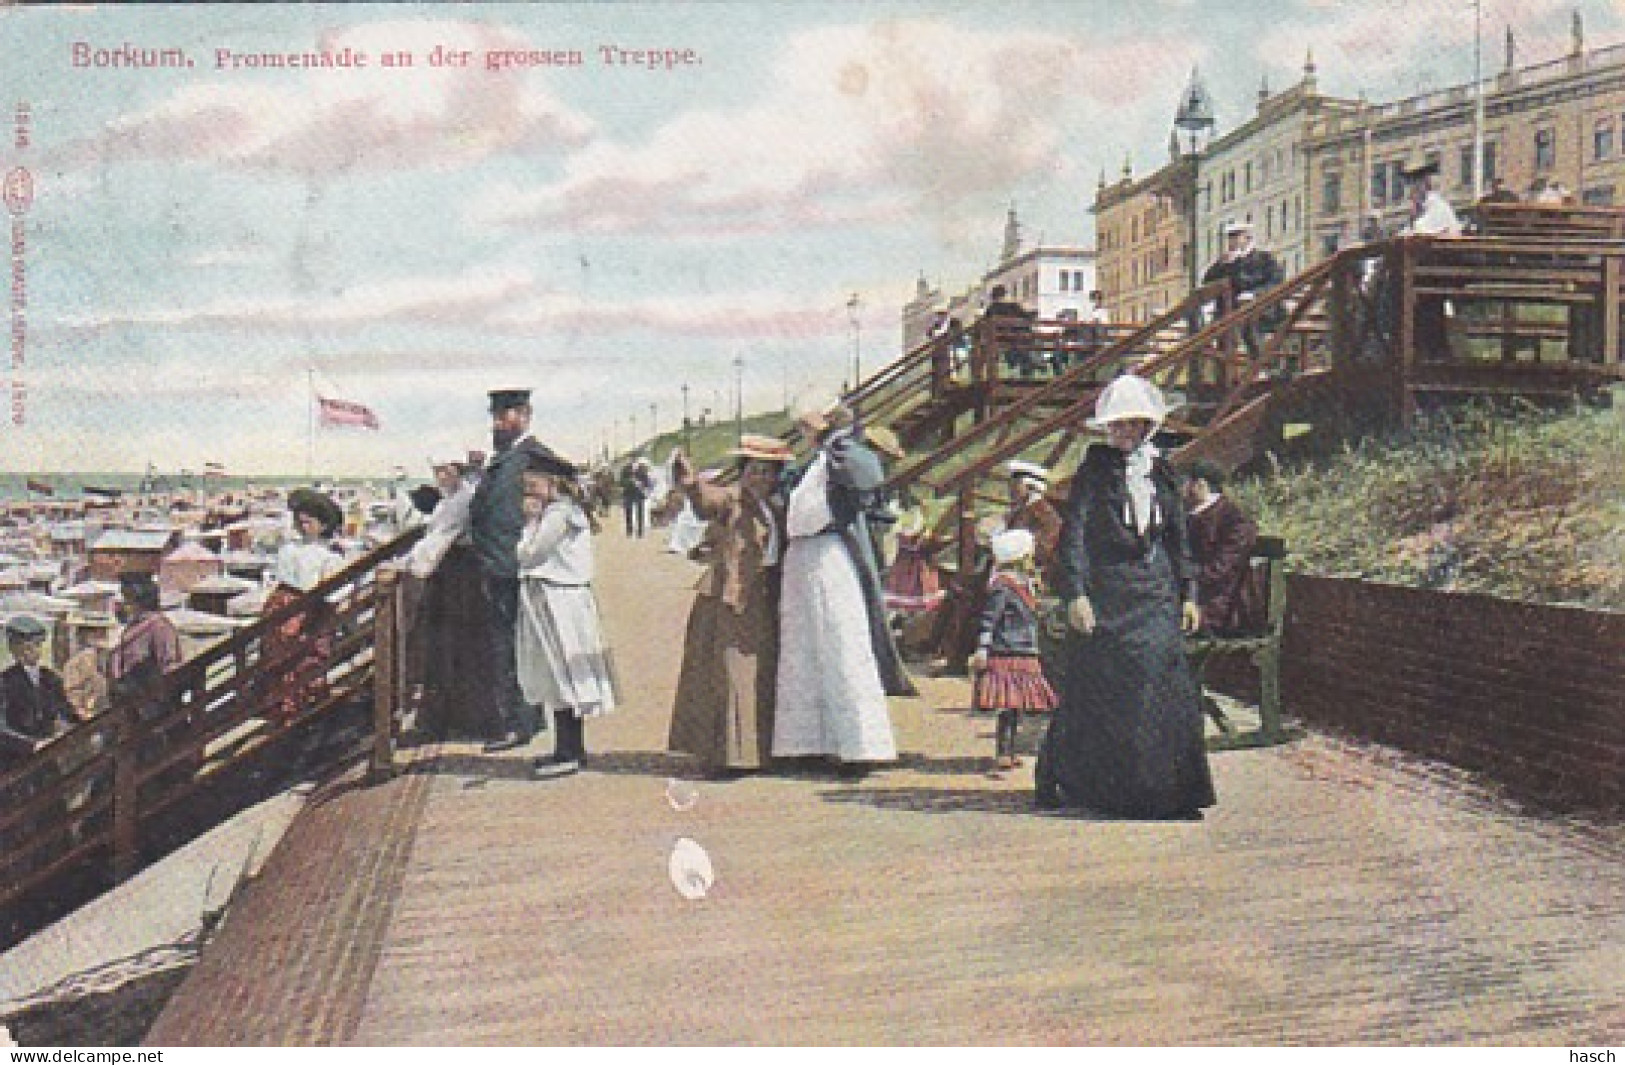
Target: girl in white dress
[[563, 667]]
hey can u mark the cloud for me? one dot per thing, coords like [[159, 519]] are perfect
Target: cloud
[[504, 303], [865, 124], [406, 301], [323, 123]]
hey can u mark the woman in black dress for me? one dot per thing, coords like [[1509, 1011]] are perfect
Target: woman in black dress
[[1127, 739]]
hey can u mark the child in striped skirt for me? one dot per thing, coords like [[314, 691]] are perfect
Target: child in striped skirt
[[1009, 674]]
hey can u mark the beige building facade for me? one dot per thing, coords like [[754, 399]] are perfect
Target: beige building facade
[[1143, 260], [1257, 174], [1561, 121]]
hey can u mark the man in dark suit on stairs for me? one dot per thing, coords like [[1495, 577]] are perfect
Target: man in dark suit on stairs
[[496, 521]]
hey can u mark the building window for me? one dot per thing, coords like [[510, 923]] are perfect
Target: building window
[[1466, 165], [1247, 179], [1601, 196], [1077, 281], [1602, 139], [1331, 194], [1545, 148], [1379, 185], [1286, 227], [1396, 181]]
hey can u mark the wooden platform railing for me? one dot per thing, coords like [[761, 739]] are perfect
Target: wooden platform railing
[[82, 801]]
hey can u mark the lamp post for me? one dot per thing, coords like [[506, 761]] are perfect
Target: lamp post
[[739, 399], [686, 427], [654, 420], [853, 305]]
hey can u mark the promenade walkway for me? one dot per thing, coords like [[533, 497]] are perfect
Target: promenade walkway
[[1336, 895]]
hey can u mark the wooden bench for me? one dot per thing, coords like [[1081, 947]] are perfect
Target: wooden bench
[[1264, 647]]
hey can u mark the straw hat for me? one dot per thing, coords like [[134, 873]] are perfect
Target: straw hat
[[762, 448], [885, 441], [1126, 398]]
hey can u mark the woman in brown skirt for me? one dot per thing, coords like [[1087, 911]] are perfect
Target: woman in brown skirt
[[724, 706]]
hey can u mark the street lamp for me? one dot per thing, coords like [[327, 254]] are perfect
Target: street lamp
[[853, 304], [686, 427], [654, 420], [739, 399]]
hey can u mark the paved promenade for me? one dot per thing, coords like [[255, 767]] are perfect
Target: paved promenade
[[1336, 895]]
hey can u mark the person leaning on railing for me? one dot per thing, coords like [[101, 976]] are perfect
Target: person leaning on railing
[[34, 706], [148, 648], [298, 647]]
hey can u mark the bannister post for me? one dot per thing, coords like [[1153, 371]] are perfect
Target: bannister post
[[1611, 279], [126, 791], [385, 674], [1407, 330], [967, 532]]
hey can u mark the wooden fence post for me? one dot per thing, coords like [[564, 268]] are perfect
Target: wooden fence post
[[385, 673], [126, 791]]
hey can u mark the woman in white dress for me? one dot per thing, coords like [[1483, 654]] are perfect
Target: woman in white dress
[[832, 683], [563, 666]]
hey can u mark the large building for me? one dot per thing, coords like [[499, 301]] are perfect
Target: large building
[[1142, 233], [1561, 121], [1256, 173]]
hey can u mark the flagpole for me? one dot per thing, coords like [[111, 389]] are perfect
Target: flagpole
[[310, 434]]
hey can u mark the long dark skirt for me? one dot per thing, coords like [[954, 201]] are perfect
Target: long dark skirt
[[1127, 739], [723, 712], [456, 668]]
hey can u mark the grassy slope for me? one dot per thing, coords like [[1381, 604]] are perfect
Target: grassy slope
[[1528, 508]]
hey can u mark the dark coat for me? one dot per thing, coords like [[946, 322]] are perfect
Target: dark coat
[[1222, 539], [1253, 272], [37, 712], [1127, 738], [497, 514], [856, 477], [1009, 622]]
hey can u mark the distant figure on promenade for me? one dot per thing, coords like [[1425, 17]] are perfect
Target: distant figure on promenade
[[723, 710], [1499, 193], [1009, 674], [636, 484], [562, 660], [296, 649], [837, 661], [34, 706], [496, 522], [450, 621], [1127, 740], [1221, 542]]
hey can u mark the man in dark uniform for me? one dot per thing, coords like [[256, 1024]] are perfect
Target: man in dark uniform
[[1252, 272], [496, 521]]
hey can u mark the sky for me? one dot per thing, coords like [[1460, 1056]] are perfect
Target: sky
[[208, 244]]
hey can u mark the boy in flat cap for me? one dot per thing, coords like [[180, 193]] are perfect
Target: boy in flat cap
[[33, 704], [496, 522]]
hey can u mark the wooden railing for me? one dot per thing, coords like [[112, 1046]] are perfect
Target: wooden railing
[[83, 800]]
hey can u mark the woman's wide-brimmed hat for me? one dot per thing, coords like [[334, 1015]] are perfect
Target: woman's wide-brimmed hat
[[762, 448], [314, 504], [1031, 472], [1127, 398]]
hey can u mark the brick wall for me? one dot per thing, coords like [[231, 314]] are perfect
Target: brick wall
[[1532, 696]]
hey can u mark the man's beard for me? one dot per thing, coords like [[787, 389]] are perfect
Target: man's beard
[[502, 439]]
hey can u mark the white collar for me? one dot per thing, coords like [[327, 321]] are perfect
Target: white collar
[[1212, 499]]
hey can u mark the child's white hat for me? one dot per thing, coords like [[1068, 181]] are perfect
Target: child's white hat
[[1012, 545]]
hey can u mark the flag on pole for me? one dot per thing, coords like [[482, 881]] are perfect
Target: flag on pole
[[340, 413]]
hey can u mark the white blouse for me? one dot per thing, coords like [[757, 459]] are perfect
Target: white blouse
[[809, 512], [303, 565], [447, 524], [557, 546]]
